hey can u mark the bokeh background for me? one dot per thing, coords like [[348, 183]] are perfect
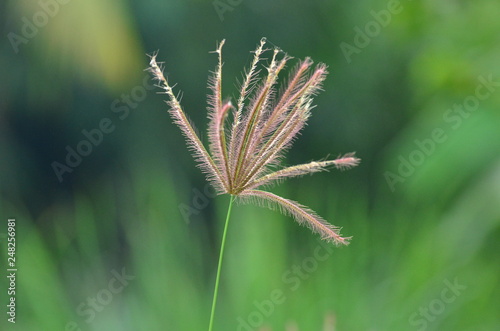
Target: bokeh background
[[127, 236]]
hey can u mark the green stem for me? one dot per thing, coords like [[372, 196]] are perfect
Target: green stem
[[214, 302]]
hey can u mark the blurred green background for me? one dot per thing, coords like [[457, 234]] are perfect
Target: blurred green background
[[127, 237]]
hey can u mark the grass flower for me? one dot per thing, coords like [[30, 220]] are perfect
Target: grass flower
[[248, 139]]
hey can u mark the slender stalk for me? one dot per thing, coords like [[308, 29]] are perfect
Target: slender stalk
[[219, 267]]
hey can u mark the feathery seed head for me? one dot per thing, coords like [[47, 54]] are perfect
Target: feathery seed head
[[245, 149]]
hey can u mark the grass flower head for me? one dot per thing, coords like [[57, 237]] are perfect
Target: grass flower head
[[248, 139]]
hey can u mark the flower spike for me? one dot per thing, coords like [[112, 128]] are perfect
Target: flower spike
[[264, 123]]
